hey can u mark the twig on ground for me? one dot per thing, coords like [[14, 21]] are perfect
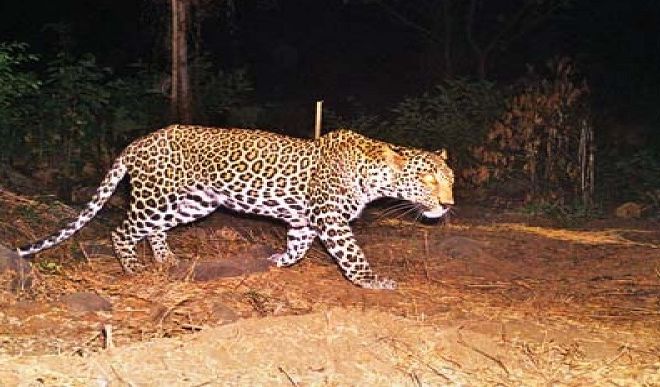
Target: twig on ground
[[119, 377], [170, 310], [192, 327], [291, 380], [84, 252], [482, 353], [487, 286], [79, 350]]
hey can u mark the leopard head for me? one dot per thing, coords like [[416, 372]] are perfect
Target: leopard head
[[422, 178]]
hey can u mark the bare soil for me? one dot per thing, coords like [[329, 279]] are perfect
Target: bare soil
[[488, 298]]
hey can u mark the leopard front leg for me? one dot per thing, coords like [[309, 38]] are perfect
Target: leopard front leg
[[338, 238], [298, 241]]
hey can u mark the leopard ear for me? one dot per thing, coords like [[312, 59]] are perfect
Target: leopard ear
[[393, 159], [442, 153]]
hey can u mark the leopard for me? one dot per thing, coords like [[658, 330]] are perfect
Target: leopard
[[317, 187]]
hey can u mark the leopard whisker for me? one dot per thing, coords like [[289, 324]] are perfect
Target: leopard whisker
[[404, 207], [413, 208]]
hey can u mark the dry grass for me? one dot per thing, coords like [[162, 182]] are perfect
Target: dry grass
[[349, 347], [478, 304], [599, 237]]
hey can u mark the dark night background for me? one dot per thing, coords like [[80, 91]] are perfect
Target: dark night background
[[359, 57], [332, 49]]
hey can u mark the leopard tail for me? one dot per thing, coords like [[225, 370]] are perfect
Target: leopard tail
[[103, 193]]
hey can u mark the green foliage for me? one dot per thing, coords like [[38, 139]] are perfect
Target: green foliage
[[136, 104], [454, 114], [86, 107], [27, 213], [67, 112], [49, 267], [631, 177], [13, 82], [219, 95], [73, 111], [16, 84], [567, 215], [363, 122]]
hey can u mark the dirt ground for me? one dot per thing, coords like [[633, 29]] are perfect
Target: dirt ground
[[490, 298]]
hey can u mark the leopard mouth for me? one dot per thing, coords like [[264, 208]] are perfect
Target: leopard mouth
[[436, 212]]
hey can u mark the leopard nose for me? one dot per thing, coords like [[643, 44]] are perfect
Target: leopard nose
[[446, 198]]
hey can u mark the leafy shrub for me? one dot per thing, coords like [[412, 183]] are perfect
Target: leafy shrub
[[74, 111], [544, 140], [362, 122], [16, 83], [137, 104], [67, 111], [455, 115], [569, 215], [633, 177], [220, 95]]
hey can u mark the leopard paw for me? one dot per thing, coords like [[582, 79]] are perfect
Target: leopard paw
[[165, 262], [280, 259], [167, 258], [377, 283], [132, 266]]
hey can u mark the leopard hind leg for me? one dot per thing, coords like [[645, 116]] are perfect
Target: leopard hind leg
[[154, 223], [186, 209], [145, 220], [124, 239], [160, 247]]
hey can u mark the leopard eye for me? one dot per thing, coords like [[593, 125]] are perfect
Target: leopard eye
[[429, 179]]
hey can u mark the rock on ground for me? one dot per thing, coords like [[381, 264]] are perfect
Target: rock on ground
[[85, 302], [17, 268]]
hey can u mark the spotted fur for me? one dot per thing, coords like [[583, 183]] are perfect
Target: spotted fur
[[182, 173]]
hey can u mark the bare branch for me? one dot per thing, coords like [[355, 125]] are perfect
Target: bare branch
[[427, 33], [540, 18], [469, 26], [517, 25]]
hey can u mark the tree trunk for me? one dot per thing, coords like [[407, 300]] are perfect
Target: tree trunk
[[185, 101], [174, 61], [481, 51], [482, 59], [446, 13], [180, 103]]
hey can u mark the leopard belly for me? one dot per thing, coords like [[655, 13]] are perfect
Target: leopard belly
[[198, 203]]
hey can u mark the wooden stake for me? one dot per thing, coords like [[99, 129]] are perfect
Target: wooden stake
[[107, 333], [319, 115]]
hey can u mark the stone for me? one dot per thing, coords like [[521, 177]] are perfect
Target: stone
[[223, 314], [85, 302], [250, 260], [456, 247], [629, 210]]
